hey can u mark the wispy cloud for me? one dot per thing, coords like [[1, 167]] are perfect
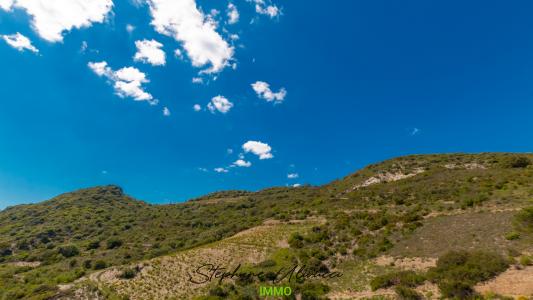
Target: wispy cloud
[[19, 42]]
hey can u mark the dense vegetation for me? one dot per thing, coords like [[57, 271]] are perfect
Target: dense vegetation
[[60, 240]]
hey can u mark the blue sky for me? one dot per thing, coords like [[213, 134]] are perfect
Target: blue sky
[[364, 81]]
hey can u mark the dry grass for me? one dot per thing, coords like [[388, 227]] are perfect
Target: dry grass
[[468, 231], [513, 282]]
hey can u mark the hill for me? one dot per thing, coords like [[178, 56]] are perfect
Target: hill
[[407, 214]]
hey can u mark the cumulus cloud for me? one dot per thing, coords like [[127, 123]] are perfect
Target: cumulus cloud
[[197, 107], [50, 18], [221, 170], [261, 7], [166, 112], [293, 175], [233, 14], [262, 89], [220, 104], [149, 51], [126, 81], [242, 163], [19, 42], [197, 33], [296, 185], [260, 149]]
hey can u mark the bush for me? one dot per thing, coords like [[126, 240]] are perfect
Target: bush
[[296, 240], [69, 251], [525, 218], [88, 264], [93, 245], [516, 162], [266, 263], [405, 293], [512, 236], [114, 243], [404, 278], [5, 250], [455, 289], [99, 265], [525, 261], [312, 291], [129, 273], [458, 271]]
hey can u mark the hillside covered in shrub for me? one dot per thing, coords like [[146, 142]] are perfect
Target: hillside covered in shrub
[[390, 208]]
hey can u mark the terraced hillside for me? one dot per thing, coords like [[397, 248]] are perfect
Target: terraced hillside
[[392, 229]]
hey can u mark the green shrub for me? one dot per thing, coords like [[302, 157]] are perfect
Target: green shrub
[[512, 236], [404, 278], [93, 245], [516, 162], [69, 251], [129, 273], [266, 263], [296, 240], [312, 291], [114, 243], [5, 250], [457, 272], [99, 265], [525, 261], [406, 293], [525, 218], [455, 289]]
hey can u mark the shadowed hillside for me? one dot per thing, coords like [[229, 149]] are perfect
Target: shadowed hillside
[[402, 211]]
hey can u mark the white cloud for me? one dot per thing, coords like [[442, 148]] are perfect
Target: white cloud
[[178, 53], [19, 42], [197, 80], [183, 21], [219, 103], [101, 68], [262, 89], [130, 28], [126, 81], [233, 14], [415, 131], [6, 4], [149, 51], [166, 111], [242, 163], [293, 175], [50, 18], [258, 148], [229, 151], [84, 46], [296, 185], [262, 8], [197, 107], [221, 170]]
